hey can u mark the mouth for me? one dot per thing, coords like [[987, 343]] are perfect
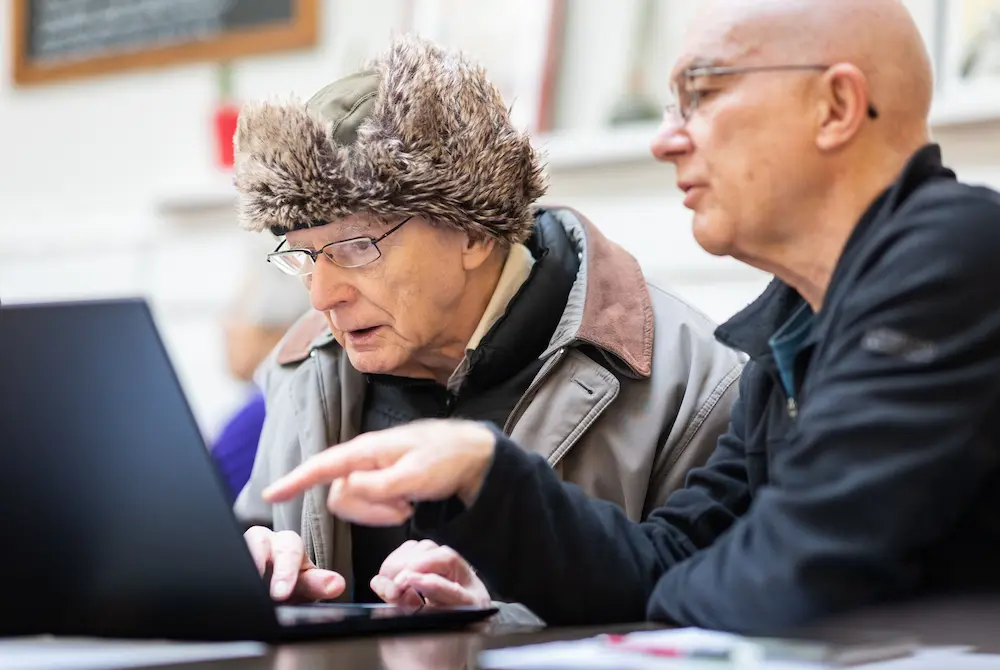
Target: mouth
[[361, 335], [691, 192]]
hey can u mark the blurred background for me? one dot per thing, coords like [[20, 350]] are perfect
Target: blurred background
[[115, 117]]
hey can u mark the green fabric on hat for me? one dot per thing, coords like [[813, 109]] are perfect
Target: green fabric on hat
[[346, 103]]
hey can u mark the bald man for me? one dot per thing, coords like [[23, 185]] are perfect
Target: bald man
[[861, 461]]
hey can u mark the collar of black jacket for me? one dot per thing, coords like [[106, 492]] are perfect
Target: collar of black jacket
[[520, 336], [751, 329]]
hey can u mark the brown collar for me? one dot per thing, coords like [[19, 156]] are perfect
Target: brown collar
[[617, 311], [301, 337]]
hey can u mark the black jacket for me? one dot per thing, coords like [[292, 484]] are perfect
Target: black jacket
[[881, 484], [501, 368]]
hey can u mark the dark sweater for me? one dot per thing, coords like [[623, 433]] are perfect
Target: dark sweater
[[882, 484]]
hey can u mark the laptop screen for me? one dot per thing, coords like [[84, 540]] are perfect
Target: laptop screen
[[114, 517]]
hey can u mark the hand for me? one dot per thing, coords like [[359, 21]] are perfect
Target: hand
[[293, 575], [376, 477], [439, 574]]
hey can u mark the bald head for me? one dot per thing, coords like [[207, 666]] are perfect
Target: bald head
[[879, 37], [790, 117]]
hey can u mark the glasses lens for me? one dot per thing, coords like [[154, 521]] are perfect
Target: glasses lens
[[296, 263], [670, 113], [352, 253], [677, 110]]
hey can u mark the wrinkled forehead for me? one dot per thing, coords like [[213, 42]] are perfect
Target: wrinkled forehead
[[722, 34], [355, 225]]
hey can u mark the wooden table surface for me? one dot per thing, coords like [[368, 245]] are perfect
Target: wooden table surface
[[445, 651], [971, 621]]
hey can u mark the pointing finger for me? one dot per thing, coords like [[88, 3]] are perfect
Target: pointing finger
[[334, 463], [370, 451]]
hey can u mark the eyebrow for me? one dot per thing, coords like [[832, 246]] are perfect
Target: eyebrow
[[351, 232], [696, 63]]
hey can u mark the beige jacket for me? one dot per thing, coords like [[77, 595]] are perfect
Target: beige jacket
[[625, 427]]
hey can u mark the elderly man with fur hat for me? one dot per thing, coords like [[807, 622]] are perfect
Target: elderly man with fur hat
[[404, 199]]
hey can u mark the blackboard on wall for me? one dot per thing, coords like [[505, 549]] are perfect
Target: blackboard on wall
[[62, 39]]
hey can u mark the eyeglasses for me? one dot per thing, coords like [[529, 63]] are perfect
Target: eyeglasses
[[352, 253], [685, 101]]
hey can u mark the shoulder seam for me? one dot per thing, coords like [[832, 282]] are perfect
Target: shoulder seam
[[710, 322], [704, 412]]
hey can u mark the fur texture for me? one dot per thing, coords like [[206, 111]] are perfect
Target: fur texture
[[438, 144]]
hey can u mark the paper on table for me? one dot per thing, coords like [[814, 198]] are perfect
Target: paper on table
[[579, 655], [48, 653], [592, 654], [936, 659]]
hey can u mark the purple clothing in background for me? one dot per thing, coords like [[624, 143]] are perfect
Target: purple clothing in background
[[236, 446]]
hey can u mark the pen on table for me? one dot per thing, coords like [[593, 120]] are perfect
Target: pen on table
[[423, 600], [623, 643]]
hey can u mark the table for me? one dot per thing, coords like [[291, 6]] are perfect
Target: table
[[444, 651], [972, 621]]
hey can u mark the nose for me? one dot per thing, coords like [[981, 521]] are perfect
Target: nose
[[671, 140], [330, 286]]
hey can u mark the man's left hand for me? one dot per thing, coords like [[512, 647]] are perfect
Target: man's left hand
[[419, 572], [377, 477]]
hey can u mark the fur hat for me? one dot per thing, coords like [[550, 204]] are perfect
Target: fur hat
[[421, 131]]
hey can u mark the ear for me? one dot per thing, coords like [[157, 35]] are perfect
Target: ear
[[843, 106], [475, 251]]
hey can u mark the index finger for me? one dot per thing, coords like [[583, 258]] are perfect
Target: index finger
[[287, 559], [258, 541], [361, 453], [322, 468]]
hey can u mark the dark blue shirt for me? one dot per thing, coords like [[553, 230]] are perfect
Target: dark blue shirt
[[786, 344], [236, 446]]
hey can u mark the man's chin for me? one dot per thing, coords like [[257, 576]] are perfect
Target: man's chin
[[711, 237], [369, 362]]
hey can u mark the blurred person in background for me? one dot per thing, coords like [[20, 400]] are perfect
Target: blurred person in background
[[406, 200], [862, 462], [266, 305]]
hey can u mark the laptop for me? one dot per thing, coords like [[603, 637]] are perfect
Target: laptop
[[114, 520]]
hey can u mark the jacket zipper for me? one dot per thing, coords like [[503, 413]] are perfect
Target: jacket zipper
[[791, 406], [522, 403]]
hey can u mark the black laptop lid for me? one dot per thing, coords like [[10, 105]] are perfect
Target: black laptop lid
[[113, 519]]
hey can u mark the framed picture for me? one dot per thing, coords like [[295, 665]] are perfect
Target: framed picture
[[963, 38], [58, 40], [517, 41], [969, 52]]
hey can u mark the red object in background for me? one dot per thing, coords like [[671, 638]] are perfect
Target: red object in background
[[226, 116]]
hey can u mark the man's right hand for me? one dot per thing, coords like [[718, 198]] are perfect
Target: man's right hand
[[376, 478], [293, 576]]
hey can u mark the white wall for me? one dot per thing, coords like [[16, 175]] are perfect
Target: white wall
[[107, 185], [85, 165]]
